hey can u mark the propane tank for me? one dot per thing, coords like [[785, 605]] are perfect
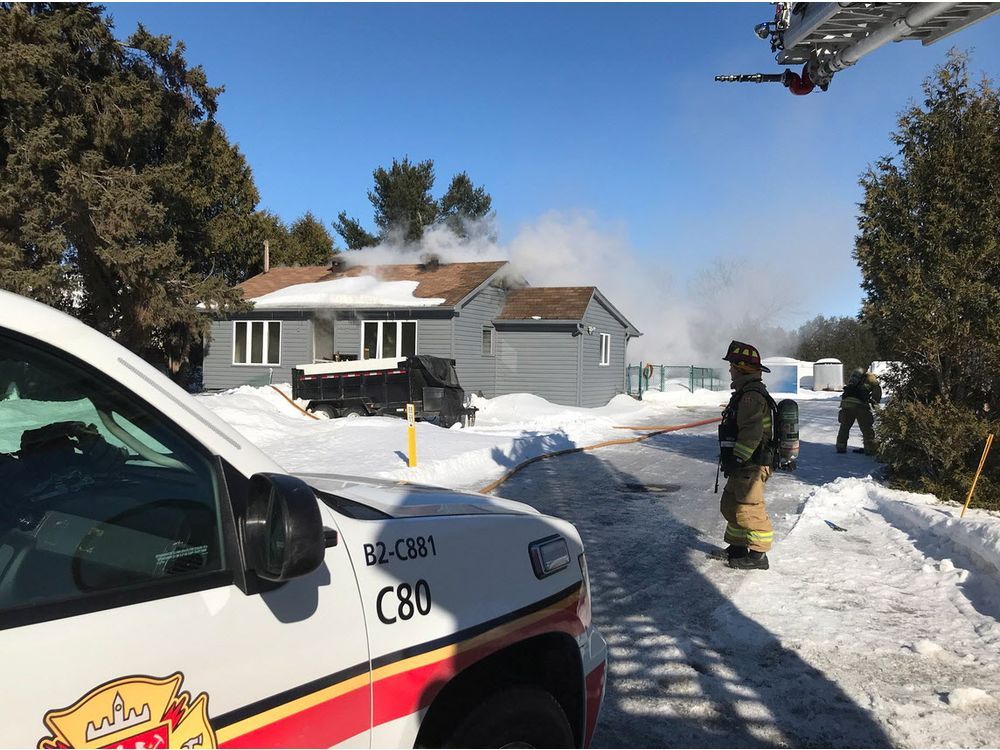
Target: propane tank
[[788, 434]]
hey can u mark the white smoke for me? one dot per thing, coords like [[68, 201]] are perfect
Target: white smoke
[[686, 319]]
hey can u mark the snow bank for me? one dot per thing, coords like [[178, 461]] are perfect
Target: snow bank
[[509, 430], [936, 523], [354, 291]]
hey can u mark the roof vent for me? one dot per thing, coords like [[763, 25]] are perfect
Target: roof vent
[[430, 261]]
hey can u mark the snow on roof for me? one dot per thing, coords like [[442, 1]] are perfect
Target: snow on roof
[[829, 361], [355, 291]]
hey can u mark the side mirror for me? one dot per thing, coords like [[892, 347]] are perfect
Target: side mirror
[[283, 530]]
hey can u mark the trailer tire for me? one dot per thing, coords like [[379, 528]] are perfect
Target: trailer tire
[[353, 411], [523, 716], [326, 410]]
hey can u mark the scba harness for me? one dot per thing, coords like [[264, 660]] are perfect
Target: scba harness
[[859, 392], [733, 454]]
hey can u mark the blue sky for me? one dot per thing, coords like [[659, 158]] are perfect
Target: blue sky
[[605, 111]]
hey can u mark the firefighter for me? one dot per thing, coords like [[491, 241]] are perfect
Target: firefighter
[[746, 455], [861, 393]]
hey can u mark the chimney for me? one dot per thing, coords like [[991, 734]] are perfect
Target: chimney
[[267, 256], [430, 261], [336, 264]]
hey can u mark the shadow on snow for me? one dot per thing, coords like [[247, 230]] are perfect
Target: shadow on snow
[[687, 669]]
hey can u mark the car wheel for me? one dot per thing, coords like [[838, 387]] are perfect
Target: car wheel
[[515, 717]]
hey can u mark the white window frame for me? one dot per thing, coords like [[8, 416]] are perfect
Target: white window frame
[[605, 350], [264, 343], [399, 338], [493, 341]]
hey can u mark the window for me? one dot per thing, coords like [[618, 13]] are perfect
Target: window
[[256, 342], [99, 492], [487, 341], [605, 349], [388, 338]]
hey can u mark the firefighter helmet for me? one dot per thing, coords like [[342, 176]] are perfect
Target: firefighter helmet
[[740, 353]]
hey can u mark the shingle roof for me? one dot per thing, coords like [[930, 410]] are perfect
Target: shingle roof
[[452, 281], [547, 303]]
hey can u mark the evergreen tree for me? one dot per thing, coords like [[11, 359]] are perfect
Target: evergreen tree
[[929, 252], [402, 199], [463, 203], [121, 200], [404, 206], [846, 339], [354, 235], [310, 243]]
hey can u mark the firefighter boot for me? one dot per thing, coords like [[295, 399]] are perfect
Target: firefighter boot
[[752, 560], [733, 550]]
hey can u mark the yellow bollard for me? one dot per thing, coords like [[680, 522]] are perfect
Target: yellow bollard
[[411, 435], [982, 463]]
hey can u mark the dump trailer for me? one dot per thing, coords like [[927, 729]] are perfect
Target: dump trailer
[[384, 387]]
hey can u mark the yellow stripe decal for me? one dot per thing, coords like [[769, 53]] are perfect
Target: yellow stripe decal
[[306, 702], [293, 707]]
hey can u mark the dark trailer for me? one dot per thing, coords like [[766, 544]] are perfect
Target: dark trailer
[[384, 387]]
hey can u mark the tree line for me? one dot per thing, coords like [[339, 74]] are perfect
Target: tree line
[[123, 202]]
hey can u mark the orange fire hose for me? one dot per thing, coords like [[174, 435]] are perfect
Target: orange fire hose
[[308, 414]]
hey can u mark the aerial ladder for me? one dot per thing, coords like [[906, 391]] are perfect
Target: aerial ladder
[[826, 38]]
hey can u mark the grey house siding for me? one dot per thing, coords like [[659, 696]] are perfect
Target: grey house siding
[[433, 334], [219, 372], [538, 359], [600, 383], [475, 371]]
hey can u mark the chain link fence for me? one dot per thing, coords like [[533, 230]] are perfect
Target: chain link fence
[[649, 377]]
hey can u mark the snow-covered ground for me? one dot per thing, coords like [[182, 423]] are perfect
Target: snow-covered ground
[[508, 430], [885, 633]]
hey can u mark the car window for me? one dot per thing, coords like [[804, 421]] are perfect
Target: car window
[[99, 492]]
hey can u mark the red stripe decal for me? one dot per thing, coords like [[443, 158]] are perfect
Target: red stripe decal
[[595, 694], [322, 725], [401, 694]]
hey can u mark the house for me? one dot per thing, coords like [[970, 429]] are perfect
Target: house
[[566, 344]]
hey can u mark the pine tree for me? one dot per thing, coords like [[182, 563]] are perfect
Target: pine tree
[[404, 206], [463, 203], [846, 339], [311, 244], [929, 252], [121, 200]]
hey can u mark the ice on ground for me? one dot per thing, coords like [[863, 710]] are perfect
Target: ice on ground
[[969, 698]]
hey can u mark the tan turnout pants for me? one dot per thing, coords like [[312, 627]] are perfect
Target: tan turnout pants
[[866, 421], [747, 523]]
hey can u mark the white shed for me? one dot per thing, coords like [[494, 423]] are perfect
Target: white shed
[[828, 375], [787, 375]]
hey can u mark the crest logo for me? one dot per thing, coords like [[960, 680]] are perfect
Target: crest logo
[[132, 712]]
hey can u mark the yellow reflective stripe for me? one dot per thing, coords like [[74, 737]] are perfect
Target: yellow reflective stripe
[[743, 451], [759, 536], [736, 531]]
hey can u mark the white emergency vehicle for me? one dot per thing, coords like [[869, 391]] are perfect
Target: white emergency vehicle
[[163, 583]]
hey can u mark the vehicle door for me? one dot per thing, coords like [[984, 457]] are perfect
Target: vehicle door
[[122, 618]]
